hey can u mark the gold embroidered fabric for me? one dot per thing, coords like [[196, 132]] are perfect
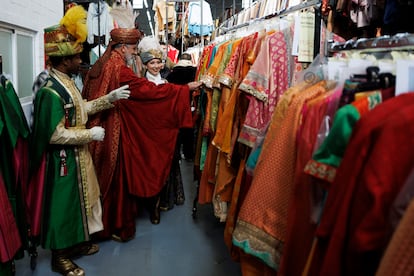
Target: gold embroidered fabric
[[77, 134], [262, 220], [97, 105]]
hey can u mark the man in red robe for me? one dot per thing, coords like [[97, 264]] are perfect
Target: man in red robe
[[135, 157]]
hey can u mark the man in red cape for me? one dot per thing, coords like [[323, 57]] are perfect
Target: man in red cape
[[135, 157]]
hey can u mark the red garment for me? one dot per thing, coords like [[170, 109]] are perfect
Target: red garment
[[150, 121], [135, 157], [301, 227], [9, 233], [354, 228], [173, 53]]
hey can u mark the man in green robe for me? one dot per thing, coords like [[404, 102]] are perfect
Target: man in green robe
[[65, 191]]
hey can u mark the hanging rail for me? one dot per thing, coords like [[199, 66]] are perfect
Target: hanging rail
[[284, 12], [401, 41]]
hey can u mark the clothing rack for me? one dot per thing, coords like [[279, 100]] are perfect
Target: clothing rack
[[401, 41], [304, 5], [301, 6]]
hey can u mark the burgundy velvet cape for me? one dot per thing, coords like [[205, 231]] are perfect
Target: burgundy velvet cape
[[150, 121], [140, 135]]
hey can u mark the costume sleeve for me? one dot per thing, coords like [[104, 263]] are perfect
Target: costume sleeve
[[70, 136], [98, 105]]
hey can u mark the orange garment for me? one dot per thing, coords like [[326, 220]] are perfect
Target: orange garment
[[261, 225], [399, 255], [226, 173], [235, 70], [207, 181], [206, 189], [301, 225]]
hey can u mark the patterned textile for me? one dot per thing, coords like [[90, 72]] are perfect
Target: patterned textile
[[301, 223], [265, 82], [399, 255], [353, 230], [71, 192], [261, 225], [209, 170]]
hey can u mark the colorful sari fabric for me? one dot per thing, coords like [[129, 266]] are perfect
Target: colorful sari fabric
[[226, 134], [265, 83], [227, 79], [301, 223], [208, 78], [226, 173], [217, 91], [262, 221], [206, 188], [205, 154], [353, 232]]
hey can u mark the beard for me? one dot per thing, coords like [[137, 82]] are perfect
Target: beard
[[130, 59]]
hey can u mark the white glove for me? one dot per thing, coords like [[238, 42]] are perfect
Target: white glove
[[97, 133], [119, 93]]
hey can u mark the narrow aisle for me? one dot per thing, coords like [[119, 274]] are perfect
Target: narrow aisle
[[179, 245]]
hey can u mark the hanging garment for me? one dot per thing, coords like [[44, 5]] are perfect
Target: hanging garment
[[162, 11], [14, 170], [301, 224], [328, 157], [200, 19], [99, 22], [353, 231], [398, 257], [265, 83], [268, 199]]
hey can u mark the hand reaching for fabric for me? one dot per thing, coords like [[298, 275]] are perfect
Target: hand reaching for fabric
[[194, 85], [97, 133], [120, 93]]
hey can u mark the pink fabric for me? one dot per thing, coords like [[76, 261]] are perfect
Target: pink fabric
[[265, 82]]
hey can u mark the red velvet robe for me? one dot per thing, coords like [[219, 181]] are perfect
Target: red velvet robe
[[135, 157], [150, 121]]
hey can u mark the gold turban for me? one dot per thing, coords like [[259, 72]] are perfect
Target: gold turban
[[66, 38], [125, 36]]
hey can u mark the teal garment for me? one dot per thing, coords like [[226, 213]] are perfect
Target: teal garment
[[63, 214], [332, 149], [253, 158]]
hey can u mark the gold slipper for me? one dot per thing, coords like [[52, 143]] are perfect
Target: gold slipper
[[66, 267]]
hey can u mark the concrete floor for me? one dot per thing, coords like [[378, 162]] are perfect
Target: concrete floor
[[179, 245]]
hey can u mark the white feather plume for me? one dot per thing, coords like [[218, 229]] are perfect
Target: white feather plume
[[148, 43], [123, 14]]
